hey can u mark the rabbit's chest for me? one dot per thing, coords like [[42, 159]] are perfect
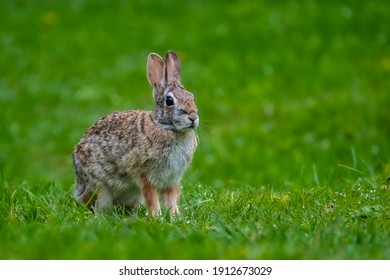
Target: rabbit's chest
[[177, 158], [171, 164]]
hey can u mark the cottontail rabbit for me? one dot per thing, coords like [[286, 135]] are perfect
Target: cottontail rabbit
[[129, 157]]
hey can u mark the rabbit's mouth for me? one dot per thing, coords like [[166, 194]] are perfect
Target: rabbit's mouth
[[185, 128], [191, 126]]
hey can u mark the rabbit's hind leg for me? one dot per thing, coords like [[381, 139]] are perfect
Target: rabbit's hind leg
[[85, 194], [104, 200], [96, 199]]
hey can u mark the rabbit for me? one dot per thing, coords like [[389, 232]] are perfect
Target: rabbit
[[128, 158]]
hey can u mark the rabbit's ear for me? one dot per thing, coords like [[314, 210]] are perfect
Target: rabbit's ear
[[155, 70], [173, 68]]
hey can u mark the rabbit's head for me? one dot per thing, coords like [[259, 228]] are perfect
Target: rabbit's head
[[175, 106]]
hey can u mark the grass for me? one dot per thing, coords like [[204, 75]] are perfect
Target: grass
[[293, 99], [249, 223]]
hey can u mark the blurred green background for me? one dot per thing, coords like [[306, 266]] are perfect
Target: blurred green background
[[291, 94], [285, 89]]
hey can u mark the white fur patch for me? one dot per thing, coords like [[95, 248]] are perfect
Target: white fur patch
[[170, 169]]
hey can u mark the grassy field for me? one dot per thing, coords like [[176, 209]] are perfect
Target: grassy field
[[293, 99]]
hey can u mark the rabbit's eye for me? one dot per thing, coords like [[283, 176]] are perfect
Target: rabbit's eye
[[169, 101]]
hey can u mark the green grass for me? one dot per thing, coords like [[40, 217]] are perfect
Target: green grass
[[293, 99], [250, 223]]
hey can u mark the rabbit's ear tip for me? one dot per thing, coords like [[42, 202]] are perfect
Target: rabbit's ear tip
[[171, 53], [154, 55]]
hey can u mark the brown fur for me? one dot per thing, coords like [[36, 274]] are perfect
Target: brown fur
[[151, 196]]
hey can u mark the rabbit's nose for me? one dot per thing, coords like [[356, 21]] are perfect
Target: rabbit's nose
[[193, 117]]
